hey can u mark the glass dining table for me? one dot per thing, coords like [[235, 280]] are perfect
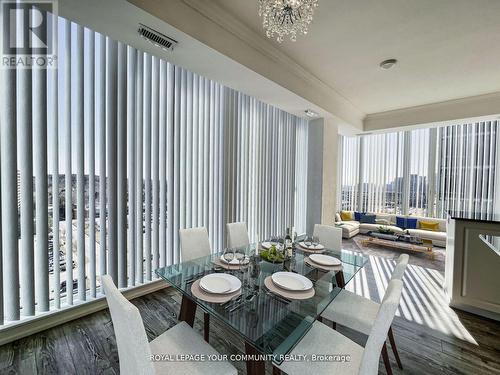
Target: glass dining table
[[270, 325]]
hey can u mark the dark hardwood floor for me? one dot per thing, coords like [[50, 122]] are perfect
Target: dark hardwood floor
[[431, 337]]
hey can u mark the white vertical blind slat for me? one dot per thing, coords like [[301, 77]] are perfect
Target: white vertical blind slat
[[111, 156], [25, 161], [122, 165], [8, 168], [101, 125], [41, 187], [90, 96], [155, 78], [131, 163], [147, 163], [170, 149], [78, 120], [139, 264], [55, 169], [68, 165], [163, 163]]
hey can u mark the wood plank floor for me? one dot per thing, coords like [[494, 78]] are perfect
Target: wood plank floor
[[431, 337]]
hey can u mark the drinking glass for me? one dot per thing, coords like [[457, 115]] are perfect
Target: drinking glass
[[315, 241], [240, 255], [274, 240], [308, 241], [228, 255]]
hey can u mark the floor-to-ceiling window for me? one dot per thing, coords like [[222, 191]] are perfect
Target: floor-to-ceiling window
[[107, 156], [467, 169], [422, 172]]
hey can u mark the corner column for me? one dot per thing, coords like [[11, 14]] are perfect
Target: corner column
[[322, 173]]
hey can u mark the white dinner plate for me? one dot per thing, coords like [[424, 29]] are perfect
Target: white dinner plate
[[325, 260], [267, 245], [311, 246], [291, 281], [220, 283], [234, 262]]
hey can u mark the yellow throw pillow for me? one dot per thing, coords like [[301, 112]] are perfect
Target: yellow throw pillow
[[346, 215], [429, 225]]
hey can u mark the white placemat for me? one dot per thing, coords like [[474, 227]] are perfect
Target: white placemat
[[268, 282], [320, 266], [197, 292]]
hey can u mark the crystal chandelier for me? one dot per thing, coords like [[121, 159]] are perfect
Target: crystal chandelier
[[286, 17]]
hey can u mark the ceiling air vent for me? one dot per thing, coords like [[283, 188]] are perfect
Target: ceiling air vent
[[157, 38]]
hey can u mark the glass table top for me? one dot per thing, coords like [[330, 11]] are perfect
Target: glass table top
[[268, 323]]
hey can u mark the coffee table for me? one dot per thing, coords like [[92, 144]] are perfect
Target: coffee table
[[392, 241]]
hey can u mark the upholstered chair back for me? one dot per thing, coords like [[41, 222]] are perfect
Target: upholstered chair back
[[237, 235], [194, 243], [378, 334], [329, 236], [133, 346]]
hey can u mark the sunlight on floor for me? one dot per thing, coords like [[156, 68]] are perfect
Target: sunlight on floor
[[423, 300]]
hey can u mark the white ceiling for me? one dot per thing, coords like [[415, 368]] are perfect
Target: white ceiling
[[447, 49]]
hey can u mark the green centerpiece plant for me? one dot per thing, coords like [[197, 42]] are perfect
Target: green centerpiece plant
[[273, 255], [385, 230]]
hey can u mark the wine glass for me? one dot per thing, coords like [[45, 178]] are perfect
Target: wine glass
[[315, 241], [274, 240], [308, 241], [228, 255], [240, 255]]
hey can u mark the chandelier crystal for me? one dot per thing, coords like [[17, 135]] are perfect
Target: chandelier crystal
[[282, 18]]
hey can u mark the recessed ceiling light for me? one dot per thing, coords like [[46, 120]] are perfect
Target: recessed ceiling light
[[388, 64], [310, 113]]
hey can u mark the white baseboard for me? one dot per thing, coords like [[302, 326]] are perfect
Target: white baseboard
[[29, 326]]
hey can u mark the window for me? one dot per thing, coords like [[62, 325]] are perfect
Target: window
[[113, 153], [423, 172]]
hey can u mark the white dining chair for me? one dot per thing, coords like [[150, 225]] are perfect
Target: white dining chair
[[322, 340], [136, 355], [196, 244], [330, 237], [359, 313], [237, 235]]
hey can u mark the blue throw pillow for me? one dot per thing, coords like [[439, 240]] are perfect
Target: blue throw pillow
[[368, 219], [401, 222], [411, 223], [358, 215]]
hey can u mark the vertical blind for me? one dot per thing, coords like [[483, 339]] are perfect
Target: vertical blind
[[261, 181], [349, 172], [381, 178], [115, 151], [467, 169], [425, 172]]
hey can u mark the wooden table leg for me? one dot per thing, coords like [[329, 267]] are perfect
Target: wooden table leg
[[339, 277], [188, 310], [254, 367], [394, 350], [206, 326], [385, 357]]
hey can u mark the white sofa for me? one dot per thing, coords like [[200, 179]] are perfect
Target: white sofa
[[351, 228]]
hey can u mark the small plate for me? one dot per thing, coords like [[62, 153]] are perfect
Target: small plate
[[267, 245], [325, 260], [220, 283], [291, 281], [310, 246]]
